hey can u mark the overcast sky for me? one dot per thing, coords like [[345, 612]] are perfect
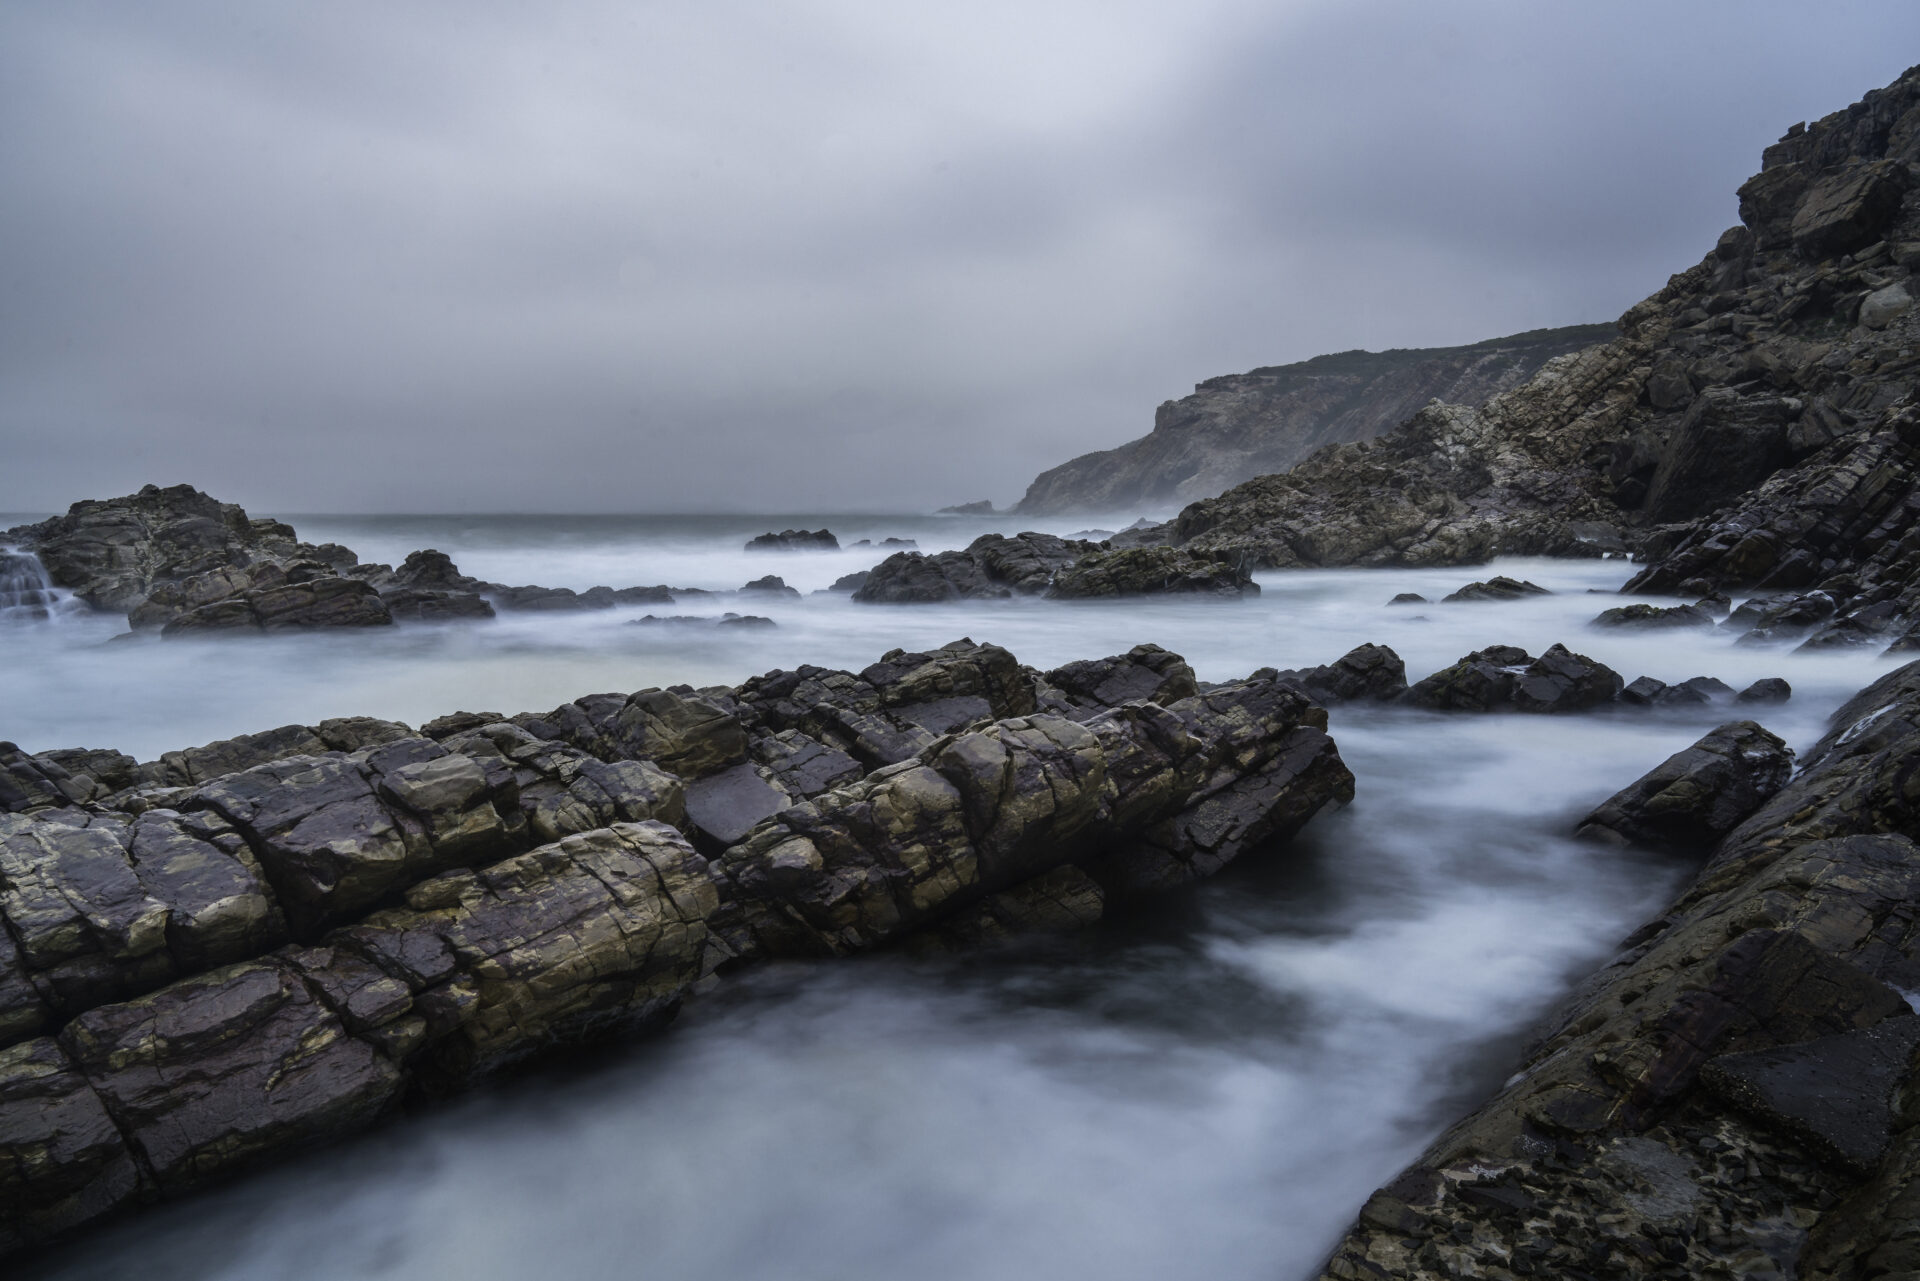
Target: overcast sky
[[817, 254]]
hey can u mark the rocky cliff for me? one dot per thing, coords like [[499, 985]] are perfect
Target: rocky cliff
[[1750, 426], [1240, 426]]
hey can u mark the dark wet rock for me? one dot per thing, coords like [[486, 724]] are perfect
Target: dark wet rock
[[249, 1062], [1698, 795], [1409, 598], [1060, 901], [993, 566], [1789, 618], [1480, 682], [795, 540], [1149, 571], [696, 620], [1507, 678], [1835, 1093], [1563, 681], [1145, 672], [901, 544], [771, 585], [1738, 1066], [1366, 673], [1695, 691], [1768, 689], [536, 600], [66, 1161], [1653, 617], [851, 582], [114, 552], [1642, 691], [1499, 587], [724, 807]]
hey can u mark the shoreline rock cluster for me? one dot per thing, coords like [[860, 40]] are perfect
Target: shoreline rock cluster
[[1732, 1094], [277, 940]]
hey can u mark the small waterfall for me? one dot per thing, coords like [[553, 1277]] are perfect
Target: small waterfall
[[26, 593]]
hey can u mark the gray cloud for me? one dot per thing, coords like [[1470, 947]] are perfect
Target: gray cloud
[[614, 256]]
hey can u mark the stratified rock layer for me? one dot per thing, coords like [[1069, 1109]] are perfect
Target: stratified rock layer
[[269, 942]]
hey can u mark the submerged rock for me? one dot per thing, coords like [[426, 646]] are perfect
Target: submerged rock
[[1499, 587], [795, 540], [1653, 618]]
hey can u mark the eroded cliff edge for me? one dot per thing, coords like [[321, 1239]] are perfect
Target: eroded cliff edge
[[1239, 426]]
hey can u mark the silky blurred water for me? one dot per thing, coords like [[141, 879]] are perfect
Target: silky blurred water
[[1207, 1088]]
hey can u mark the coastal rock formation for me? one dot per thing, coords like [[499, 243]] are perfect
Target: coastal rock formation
[[795, 540], [269, 942], [1696, 796], [1507, 678], [1366, 673], [1234, 428], [185, 564], [1749, 427], [995, 567], [1728, 1095]]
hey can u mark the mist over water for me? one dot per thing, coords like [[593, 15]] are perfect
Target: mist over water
[[1209, 1087]]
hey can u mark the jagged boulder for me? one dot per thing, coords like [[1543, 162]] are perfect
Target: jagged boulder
[[1366, 673], [1696, 796], [1507, 678], [992, 566], [1144, 673]]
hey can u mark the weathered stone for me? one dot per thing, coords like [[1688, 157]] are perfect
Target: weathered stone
[[62, 1161], [599, 933], [1366, 673], [1499, 587], [217, 1070], [1768, 689], [1144, 672], [724, 807], [1697, 795], [1151, 571], [1651, 617], [1834, 1093], [1849, 209]]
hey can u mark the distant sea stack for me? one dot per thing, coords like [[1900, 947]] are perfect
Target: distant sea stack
[[1239, 426]]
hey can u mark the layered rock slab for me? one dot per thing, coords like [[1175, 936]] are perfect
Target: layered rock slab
[[163, 1032]]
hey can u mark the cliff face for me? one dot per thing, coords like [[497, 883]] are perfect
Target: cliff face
[[1244, 425], [1751, 426]]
